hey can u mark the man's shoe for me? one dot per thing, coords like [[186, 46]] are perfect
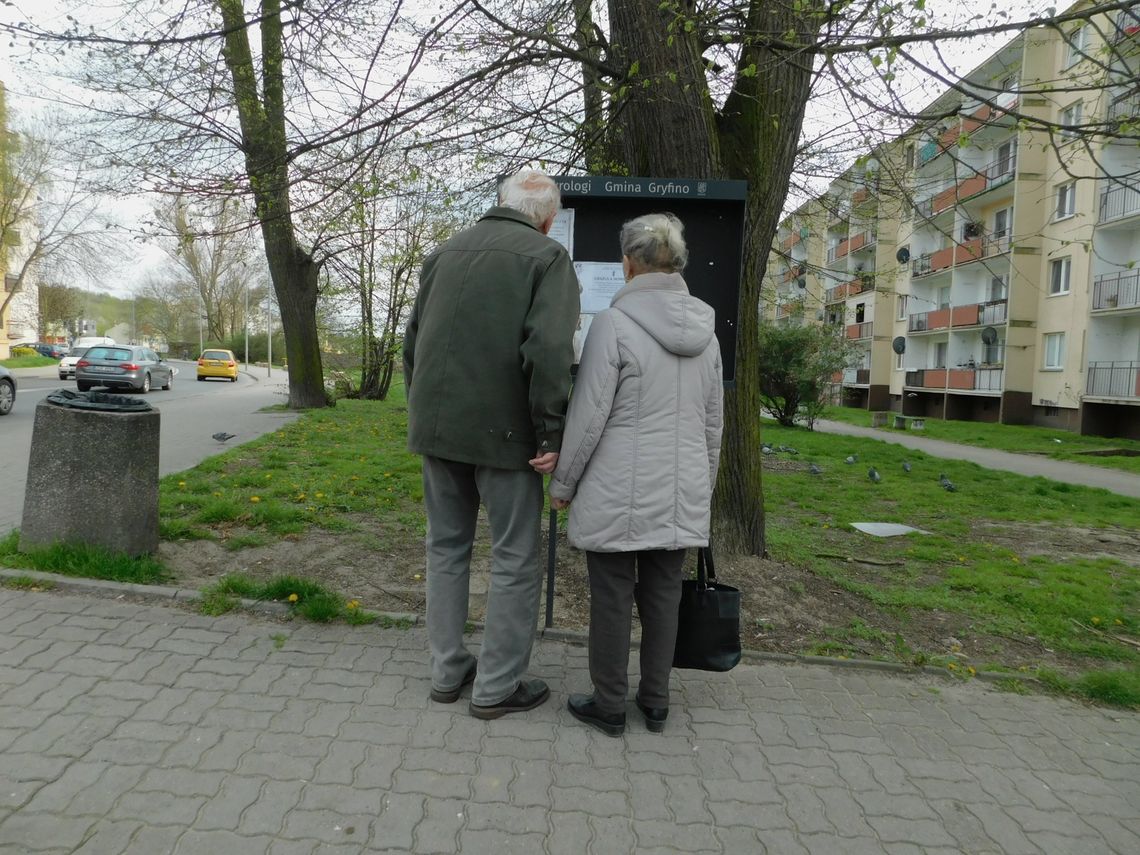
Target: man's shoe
[[654, 716], [450, 696], [528, 695], [583, 708]]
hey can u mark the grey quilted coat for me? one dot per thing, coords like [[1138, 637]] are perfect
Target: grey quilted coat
[[642, 439]]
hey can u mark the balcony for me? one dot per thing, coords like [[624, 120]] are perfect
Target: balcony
[[1122, 200], [849, 289], [927, 152], [856, 332], [1127, 24], [1116, 290], [856, 376], [957, 379], [792, 307], [939, 319], [1127, 106], [791, 240], [1114, 380], [1000, 171]]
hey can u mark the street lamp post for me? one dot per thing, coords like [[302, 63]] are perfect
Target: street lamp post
[[245, 319], [269, 335]]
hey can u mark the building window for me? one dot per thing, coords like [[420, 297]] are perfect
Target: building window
[[1060, 270], [1003, 163], [940, 354], [1066, 201], [902, 307], [1054, 351], [898, 362], [999, 287], [944, 297], [1070, 119], [1075, 43], [1002, 222]]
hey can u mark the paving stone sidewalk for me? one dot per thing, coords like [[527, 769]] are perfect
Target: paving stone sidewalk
[[140, 728]]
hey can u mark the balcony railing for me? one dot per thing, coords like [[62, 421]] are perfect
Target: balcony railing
[[1127, 24], [927, 152], [848, 289], [832, 253], [957, 379], [925, 207], [1125, 107], [1120, 201], [1114, 379], [1116, 290], [856, 376], [859, 331], [1000, 171], [994, 312]]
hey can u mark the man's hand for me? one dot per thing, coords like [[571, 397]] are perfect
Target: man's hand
[[545, 463], [559, 504]]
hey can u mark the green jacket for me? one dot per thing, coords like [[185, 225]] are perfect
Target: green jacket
[[488, 347]]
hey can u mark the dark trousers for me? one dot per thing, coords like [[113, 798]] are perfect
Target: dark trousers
[[653, 578]]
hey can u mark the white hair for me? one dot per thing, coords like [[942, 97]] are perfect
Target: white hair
[[655, 242], [532, 193]]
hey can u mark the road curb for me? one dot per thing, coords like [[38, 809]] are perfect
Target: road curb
[[164, 593]]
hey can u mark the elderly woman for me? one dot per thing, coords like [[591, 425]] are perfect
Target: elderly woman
[[638, 463]]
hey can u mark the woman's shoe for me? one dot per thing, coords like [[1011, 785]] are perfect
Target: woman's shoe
[[583, 708], [654, 716]]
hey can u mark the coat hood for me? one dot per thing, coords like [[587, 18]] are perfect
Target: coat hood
[[660, 303]]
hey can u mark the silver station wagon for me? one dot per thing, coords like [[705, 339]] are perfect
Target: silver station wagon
[[122, 366]]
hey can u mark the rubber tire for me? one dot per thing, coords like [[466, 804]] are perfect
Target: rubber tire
[[233, 379], [169, 383], [7, 397], [145, 384], [83, 387]]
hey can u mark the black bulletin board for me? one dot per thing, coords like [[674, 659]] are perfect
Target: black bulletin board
[[712, 213]]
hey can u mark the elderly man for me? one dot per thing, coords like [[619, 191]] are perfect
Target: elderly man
[[487, 368]]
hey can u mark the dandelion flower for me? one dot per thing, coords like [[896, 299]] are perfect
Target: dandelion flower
[[972, 671], [1096, 620], [181, 483], [1118, 622], [320, 495], [417, 577], [952, 666], [352, 604], [293, 598], [255, 499]]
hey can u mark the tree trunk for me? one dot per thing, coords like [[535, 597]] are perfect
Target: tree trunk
[[759, 132], [666, 116], [293, 271]]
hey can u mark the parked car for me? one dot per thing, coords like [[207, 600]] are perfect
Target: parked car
[[55, 351], [217, 363], [67, 364], [116, 366], [7, 391]]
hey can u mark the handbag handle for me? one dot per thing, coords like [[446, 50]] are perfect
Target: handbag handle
[[706, 572]]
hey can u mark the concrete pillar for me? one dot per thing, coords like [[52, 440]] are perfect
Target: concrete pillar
[[92, 479]]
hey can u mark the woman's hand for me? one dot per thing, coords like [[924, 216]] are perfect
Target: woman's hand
[[559, 504]]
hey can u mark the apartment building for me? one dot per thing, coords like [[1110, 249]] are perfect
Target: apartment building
[[987, 265]]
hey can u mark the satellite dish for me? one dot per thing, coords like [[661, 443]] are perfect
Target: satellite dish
[[899, 344], [802, 282], [903, 255], [989, 335]]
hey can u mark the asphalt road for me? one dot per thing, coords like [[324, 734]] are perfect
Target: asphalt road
[[191, 413]]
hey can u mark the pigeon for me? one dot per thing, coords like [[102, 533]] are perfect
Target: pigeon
[[791, 450], [874, 475], [222, 436], [851, 458], [906, 466], [813, 469], [946, 483], [767, 449]]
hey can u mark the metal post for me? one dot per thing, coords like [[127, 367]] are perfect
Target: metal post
[[245, 319], [269, 335], [551, 545]]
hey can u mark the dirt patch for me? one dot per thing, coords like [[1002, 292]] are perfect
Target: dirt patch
[[1063, 541], [786, 608]]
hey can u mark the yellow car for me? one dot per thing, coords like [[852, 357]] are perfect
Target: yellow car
[[217, 363]]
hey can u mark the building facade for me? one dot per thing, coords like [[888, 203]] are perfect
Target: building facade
[[987, 265]]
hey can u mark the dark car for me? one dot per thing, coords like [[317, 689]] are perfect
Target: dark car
[[118, 366], [55, 351], [7, 391]]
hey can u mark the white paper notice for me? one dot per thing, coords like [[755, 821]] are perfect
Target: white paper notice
[[599, 281], [580, 336], [563, 229]]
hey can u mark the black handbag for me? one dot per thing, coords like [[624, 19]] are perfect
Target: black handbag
[[708, 621]]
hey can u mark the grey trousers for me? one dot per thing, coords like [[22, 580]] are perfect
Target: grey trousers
[[513, 498], [653, 578]]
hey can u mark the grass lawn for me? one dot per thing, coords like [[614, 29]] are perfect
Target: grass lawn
[[1014, 573], [36, 361], [1021, 439]]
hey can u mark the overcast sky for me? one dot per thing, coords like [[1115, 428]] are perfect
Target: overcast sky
[[27, 94]]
